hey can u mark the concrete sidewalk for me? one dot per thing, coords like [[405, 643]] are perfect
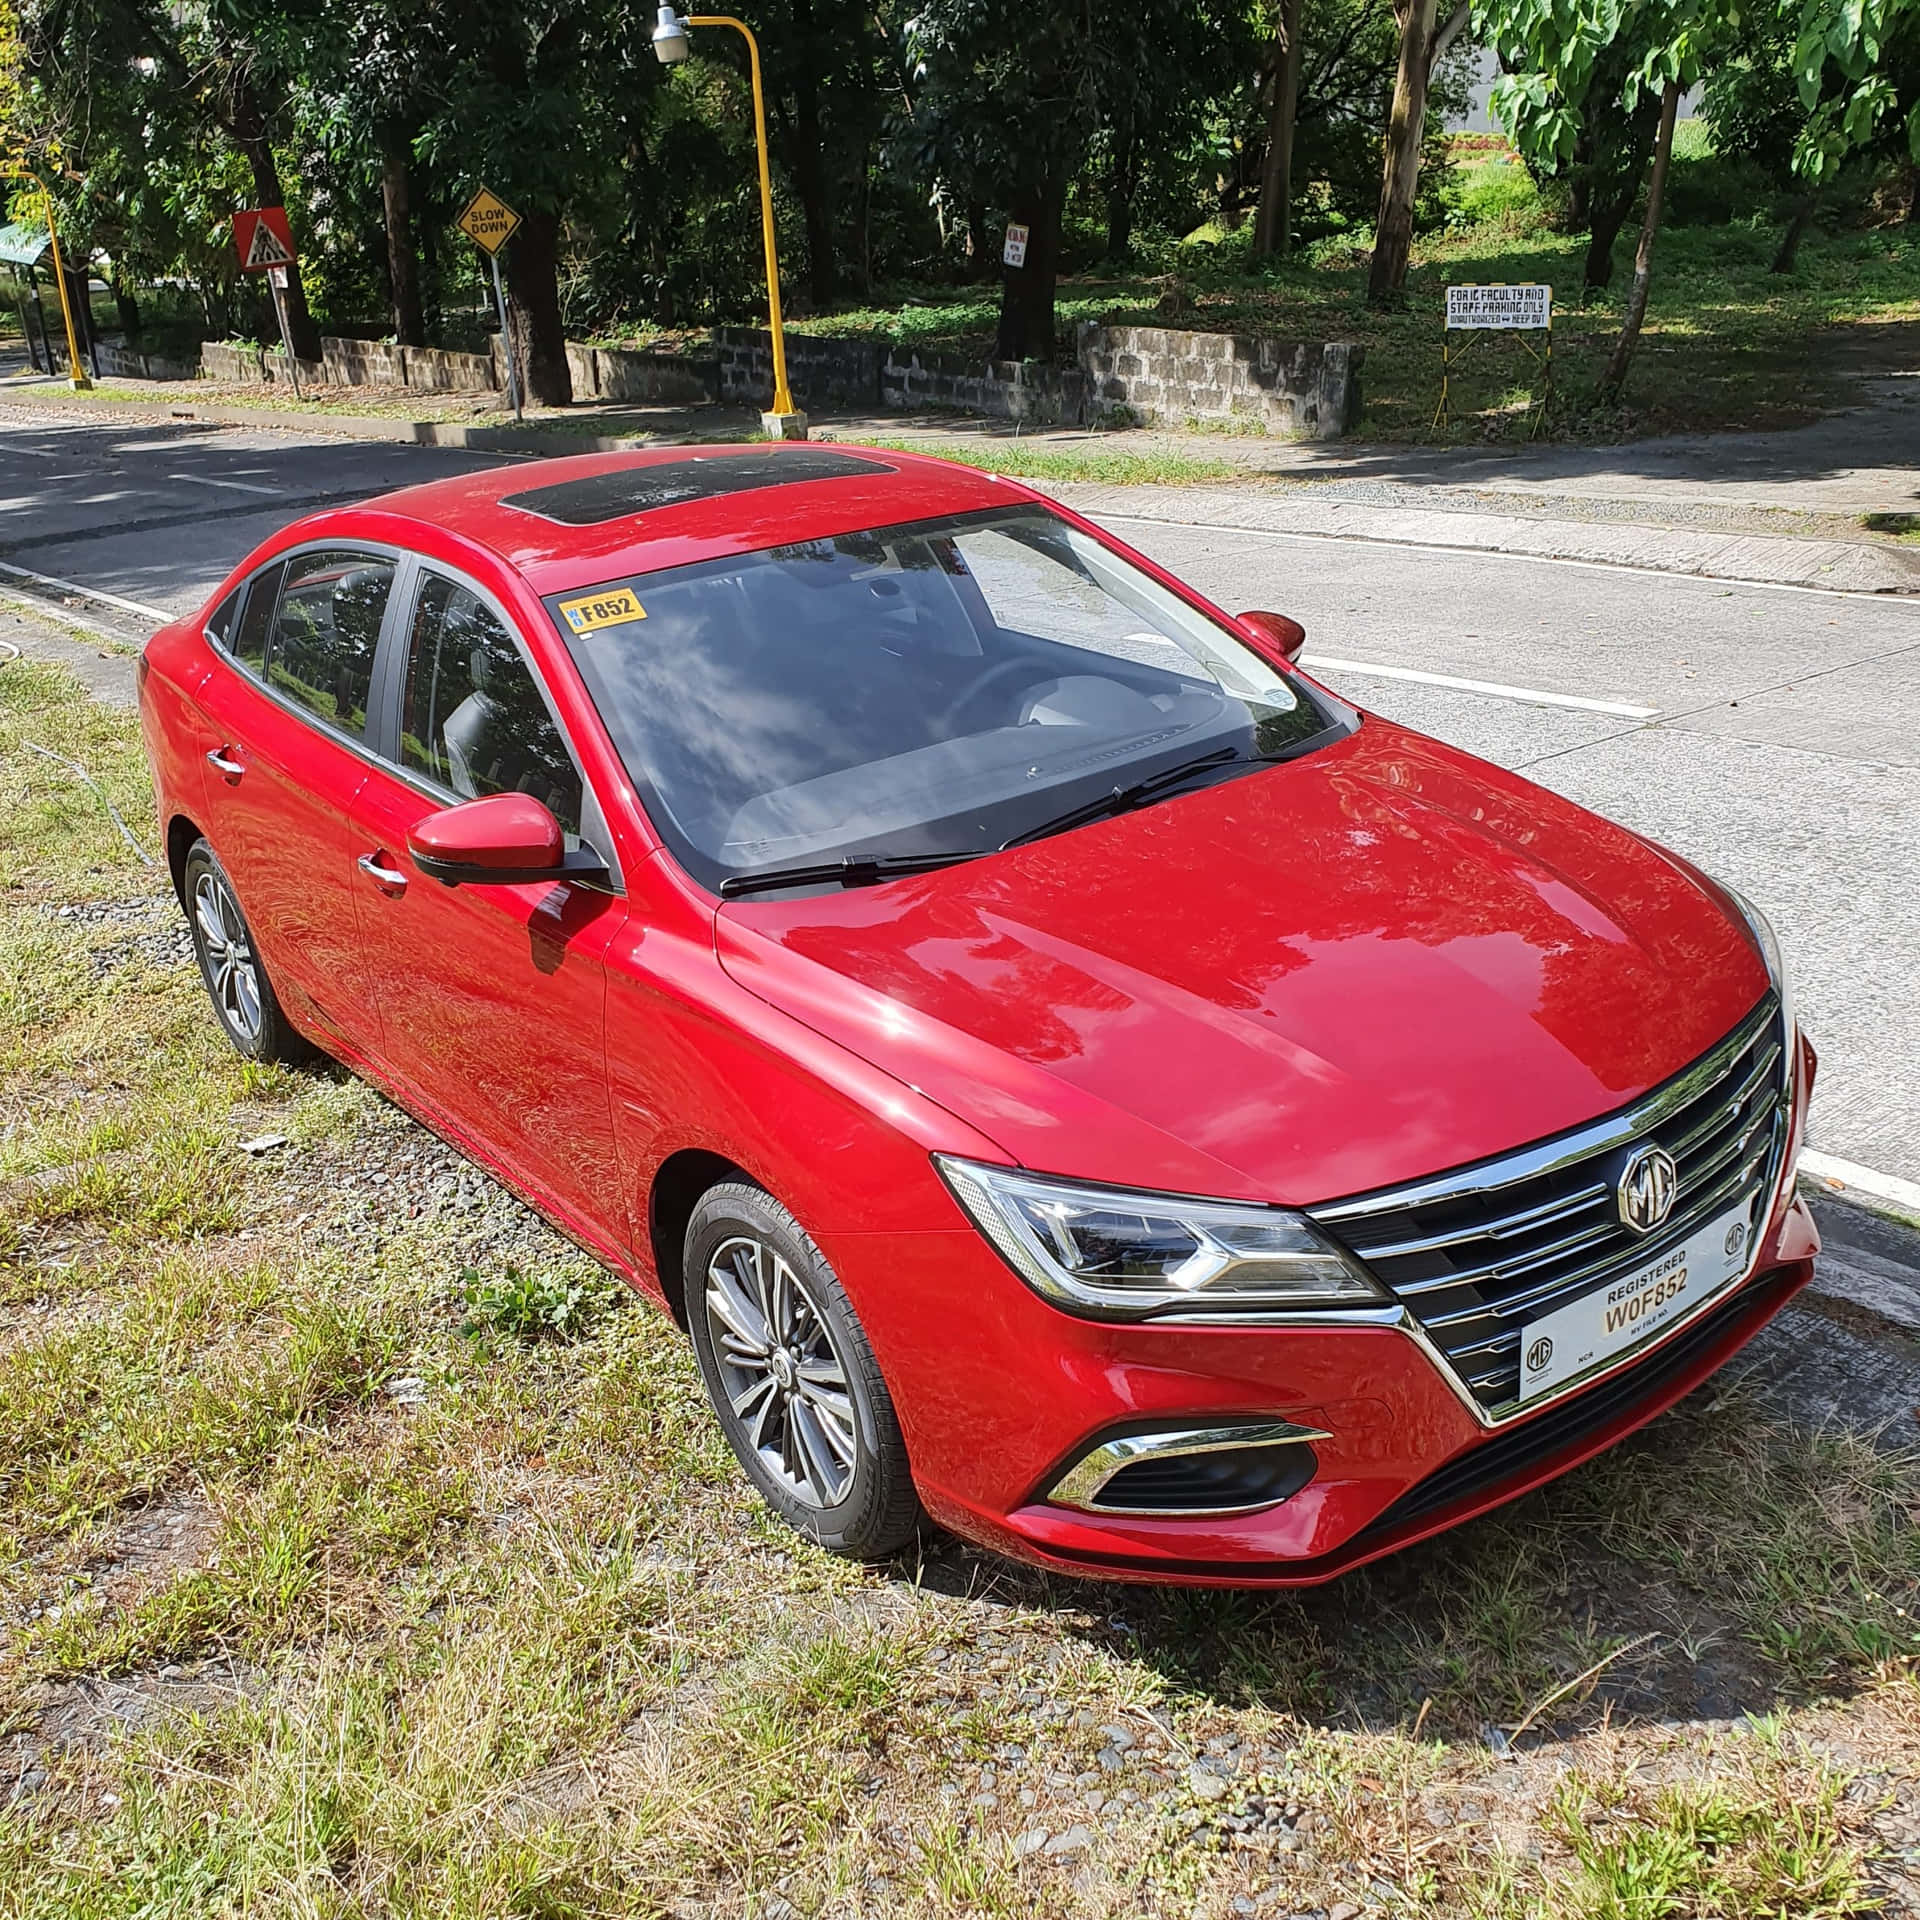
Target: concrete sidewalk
[[1851, 566]]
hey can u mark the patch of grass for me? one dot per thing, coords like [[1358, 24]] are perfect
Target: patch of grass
[[1727, 342], [531, 1304], [314, 1601], [1904, 527], [1027, 462]]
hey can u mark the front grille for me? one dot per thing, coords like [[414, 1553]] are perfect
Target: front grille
[[1516, 1450], [1477, 1253]]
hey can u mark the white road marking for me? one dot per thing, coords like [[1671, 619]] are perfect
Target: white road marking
[[238, 486], [1829, 1172], [90, 593], [1534, 696], [1719, 581], [32, 453]]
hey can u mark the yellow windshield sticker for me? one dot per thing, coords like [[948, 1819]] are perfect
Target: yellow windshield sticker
[[597, 610]]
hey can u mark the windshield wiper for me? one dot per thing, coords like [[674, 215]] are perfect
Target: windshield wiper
[[856, 870], [1125, 799]]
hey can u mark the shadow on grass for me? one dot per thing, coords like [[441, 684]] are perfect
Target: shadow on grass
[[1757, 1563]]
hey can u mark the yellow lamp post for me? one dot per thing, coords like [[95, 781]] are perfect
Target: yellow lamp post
[[785, 421], [77, 377]]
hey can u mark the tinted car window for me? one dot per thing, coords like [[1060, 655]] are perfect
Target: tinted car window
[[944, 687], [325, 633], [249, 643], [473, 719], [219, 626]]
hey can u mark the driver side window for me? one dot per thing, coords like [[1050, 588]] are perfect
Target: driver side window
[[473, 720]]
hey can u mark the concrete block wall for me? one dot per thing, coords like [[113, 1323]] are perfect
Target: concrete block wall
[[622, 373], [128, 363], [822, 373], [1130, 375], [1304, 390]]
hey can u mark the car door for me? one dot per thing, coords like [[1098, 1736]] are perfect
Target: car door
[[492, 998], [289, 705]]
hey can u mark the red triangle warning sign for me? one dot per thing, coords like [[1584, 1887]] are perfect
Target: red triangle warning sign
[[267, 249]]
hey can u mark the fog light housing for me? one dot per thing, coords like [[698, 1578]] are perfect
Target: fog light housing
[[1191, 1472]]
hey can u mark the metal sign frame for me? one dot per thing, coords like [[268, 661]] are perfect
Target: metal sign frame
[[1539, 403]]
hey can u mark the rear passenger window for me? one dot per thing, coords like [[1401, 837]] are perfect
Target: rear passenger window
[[325, 633], [248, 643], [473, 719]]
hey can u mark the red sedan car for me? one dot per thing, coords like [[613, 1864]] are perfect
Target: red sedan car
[[1070, 1074]]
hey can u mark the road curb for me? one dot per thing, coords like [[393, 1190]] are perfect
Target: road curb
[[1747, 559]]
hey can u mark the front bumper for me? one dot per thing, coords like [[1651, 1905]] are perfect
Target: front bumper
[[1000, 1408]]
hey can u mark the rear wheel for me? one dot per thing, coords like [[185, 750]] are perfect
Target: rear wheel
[[795, 1385], [243, 997]]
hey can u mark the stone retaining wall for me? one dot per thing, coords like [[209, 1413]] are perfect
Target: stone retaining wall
[[128, 363], [1124, 376], [1306, 390], [1158, 376]]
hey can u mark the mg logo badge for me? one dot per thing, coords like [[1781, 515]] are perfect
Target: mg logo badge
[[1539, 1354], [1649, 1184]]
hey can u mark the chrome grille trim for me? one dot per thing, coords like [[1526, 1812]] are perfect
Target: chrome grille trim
[[1469, 1284]]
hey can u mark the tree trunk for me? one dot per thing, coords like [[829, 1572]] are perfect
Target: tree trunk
[[403, 262], [248, 126], [126, 303], [809, 171], [533, 289], [1122, 171], [1622, 357], [1273, 225], [1400, 171], [1026, 292], [1608, 215], [1790, 240]]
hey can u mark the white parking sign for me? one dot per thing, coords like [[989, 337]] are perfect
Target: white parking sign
[[1512, 309]]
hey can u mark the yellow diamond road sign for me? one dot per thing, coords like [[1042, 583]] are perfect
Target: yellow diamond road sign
[[488, 221]]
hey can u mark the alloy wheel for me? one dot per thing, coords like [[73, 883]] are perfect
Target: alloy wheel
[[232, 972], [782, 1373]]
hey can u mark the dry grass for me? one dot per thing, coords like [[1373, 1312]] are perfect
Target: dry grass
[[371, 1560]]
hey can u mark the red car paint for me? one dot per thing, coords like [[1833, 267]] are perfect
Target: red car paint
[[1376, 962]]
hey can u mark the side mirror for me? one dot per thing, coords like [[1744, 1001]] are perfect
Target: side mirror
[[1288, 636], [503, 840]]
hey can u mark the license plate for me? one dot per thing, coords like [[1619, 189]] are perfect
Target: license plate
[[1615, 1318]]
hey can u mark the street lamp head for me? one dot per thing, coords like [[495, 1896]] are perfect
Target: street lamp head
[[669, 37]]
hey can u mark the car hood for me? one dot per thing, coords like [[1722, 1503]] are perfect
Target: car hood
[[1369, 964]]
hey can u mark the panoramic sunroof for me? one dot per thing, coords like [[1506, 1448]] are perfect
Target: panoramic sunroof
[[629, 490]]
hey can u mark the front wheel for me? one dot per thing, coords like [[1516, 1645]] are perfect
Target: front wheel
[[243, 997], [787, 1366]]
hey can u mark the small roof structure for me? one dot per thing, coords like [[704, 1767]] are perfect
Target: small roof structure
[[22, 245]]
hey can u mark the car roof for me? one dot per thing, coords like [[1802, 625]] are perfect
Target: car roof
[[587, 518]]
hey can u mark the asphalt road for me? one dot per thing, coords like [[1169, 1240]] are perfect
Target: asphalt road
[[1771, 735]]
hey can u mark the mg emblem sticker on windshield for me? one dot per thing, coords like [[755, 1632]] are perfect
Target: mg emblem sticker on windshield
[[1648, 1185]]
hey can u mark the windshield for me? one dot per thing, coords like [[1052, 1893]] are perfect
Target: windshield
[[936, 689]]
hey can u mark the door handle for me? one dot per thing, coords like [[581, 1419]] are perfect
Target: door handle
[[389, 878], [221, 761]]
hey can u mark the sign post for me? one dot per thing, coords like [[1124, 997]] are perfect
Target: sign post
[[1520, 310], [489, 223], [264, 242]]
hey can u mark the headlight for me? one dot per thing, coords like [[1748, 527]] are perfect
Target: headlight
[[1117, 1255], [1768, 942]]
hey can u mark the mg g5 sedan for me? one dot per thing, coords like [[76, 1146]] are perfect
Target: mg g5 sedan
[[1071, 1074]]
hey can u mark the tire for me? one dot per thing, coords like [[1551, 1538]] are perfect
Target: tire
[[807, 1414], [243, 998]]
